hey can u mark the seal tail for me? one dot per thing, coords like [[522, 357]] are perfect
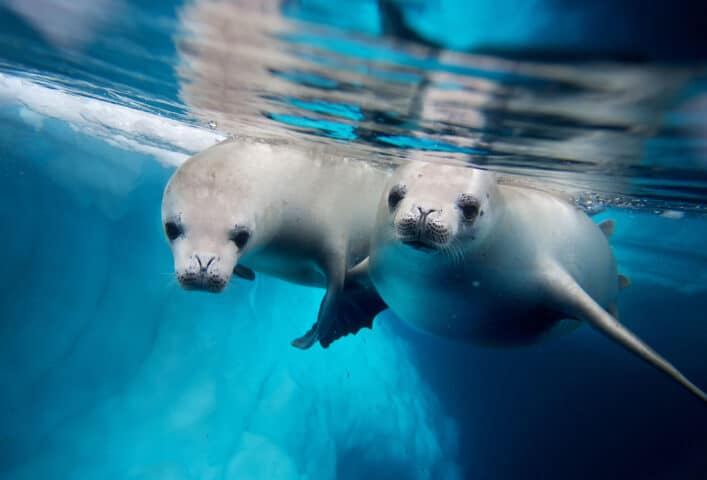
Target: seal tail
[[578, 303]]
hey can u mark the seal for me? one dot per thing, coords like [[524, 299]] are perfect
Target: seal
[[459, 255], [304, 216]]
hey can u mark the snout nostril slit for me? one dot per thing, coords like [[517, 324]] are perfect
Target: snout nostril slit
[[424, 212], [202, 267]]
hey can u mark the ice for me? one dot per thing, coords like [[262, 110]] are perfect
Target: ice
[[110, 370], [167, 140]]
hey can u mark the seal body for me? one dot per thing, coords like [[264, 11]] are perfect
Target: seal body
[[493, 293], [300, 215], [458, 255]]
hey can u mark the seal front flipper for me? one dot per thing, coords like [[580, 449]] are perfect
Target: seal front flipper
[[345, 311], [308, 339], [358, 305], [624, 282], [574, 301], [244, 272], [607, 227], [327, 311]]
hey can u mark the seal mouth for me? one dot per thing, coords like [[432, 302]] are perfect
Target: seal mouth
[[203, 284]]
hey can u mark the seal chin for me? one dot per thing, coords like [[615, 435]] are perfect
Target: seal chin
[[204, 283], [421, 245]]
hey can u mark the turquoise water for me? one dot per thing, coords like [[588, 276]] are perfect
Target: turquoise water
[[109, 370]]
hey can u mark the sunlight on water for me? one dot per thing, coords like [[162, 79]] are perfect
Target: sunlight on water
[[628, 133]]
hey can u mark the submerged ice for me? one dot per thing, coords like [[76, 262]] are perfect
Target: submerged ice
[[109, 370]]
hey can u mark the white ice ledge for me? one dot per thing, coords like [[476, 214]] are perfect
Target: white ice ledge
[[167, 140]]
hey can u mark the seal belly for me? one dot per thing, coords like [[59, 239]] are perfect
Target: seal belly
[[451, 304], [474, 320]]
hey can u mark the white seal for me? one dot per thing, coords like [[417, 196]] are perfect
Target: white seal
[[300, 215], [458, 255]]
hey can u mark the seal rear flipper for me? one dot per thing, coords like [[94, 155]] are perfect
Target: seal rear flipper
[[576, 302], [358, 306]]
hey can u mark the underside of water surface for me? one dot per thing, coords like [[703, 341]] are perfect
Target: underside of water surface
[[109, 370]]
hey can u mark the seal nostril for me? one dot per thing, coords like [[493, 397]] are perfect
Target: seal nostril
[[424, 214], [204, 265]]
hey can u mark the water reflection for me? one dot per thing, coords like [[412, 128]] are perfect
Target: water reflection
[[578, 126]]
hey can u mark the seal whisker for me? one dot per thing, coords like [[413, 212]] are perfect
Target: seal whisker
[[312, 222]]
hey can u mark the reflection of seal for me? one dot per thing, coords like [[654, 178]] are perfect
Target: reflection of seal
[[458, 255], [242, 206]]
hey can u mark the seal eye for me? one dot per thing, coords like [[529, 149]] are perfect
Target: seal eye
[[397, 193], [173, 231], [469, 206], [240, 237]]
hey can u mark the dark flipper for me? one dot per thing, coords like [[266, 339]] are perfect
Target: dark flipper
[[607, 227], [344, 310], [359, 303], [244, 272], [308, 339], [357, 306]]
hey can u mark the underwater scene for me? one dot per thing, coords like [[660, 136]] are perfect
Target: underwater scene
[[366, 239]]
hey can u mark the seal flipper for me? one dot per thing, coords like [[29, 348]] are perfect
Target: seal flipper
[[244, 272], [576, 302], [308, 339], [355, 307], [624, 282], [607, 226], [327, 311], [359, 303]]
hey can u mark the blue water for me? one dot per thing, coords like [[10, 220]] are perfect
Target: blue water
[[109, 370]]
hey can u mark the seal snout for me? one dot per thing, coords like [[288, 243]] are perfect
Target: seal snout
[[203, 273], [205, 264], [423, 228]]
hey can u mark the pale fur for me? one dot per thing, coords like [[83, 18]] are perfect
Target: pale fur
[[507, 278], [310, 213]]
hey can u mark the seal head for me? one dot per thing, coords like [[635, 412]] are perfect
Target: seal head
[[430, 211], [206, 233]]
